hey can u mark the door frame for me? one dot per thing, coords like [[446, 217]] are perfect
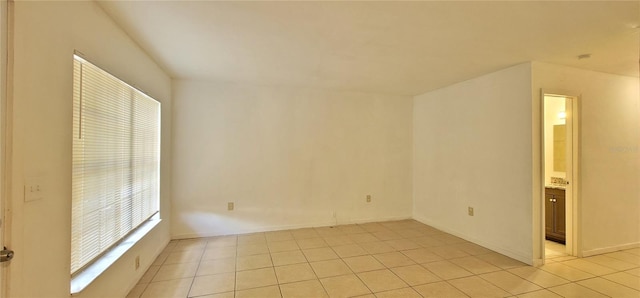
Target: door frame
[[573, 216]]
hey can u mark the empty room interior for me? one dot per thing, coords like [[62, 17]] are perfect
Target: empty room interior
[[320, 149]]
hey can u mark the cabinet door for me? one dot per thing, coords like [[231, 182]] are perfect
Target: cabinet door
[[560, 216], [549, 214]]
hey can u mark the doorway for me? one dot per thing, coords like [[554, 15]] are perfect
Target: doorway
[[559, 169]]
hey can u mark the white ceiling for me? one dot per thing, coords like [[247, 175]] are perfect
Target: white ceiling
[[383, 47]]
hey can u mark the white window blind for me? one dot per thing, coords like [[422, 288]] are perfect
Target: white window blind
[[116, 161]]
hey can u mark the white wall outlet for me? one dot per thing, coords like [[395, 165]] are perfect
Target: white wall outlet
[[470, 211], [368, 198], [230, 206]]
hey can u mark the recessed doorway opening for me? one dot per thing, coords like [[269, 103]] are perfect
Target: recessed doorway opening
[[559, 168]]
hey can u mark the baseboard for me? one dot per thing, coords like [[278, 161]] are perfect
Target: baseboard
[[604, 250], [492, 246], [291, 227]]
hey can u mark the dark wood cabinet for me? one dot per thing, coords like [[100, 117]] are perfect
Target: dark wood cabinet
[[555, 226]]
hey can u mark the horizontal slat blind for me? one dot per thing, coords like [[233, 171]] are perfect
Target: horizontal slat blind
[[116, 161]]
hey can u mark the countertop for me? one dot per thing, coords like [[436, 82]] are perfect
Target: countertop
[[556, 187]]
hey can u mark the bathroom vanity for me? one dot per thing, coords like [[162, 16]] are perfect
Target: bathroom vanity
[[555, 225]]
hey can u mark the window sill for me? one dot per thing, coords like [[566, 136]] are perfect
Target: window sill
[[93, 271]]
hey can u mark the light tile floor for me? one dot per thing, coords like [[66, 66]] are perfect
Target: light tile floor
[[385, 259]]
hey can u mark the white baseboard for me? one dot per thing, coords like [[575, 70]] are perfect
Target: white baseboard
[[291, 227], [604, 250], [492, 246]]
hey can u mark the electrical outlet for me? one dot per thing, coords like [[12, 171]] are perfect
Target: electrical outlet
[[137, 262], [470, 210], [368, 198], [230, 206]]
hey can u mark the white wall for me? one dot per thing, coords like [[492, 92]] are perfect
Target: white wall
[[472, 147], [46, 34], [552, 106], [610, 157], [286, 157]]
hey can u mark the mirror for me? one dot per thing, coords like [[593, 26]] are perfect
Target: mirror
[[559, 148]]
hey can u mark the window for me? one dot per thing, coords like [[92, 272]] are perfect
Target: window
[[116, 161]]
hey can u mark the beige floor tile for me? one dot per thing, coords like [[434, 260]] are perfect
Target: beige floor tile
[[190, 245], [363, 238], [216, 266], [377, 247], [330, 268], [222, 241], [402, 244], [573, 290], [415, 275], [278, 236], [185, 256], [169, 288], [160, 259], [175, 271], [329, 231], [344, 286], [349, 250], [381, 280], [386, 235], [137, 290], [610, 262], [255, 278], [365, 296], [288, 257], [501, 261], [477, 287], [279, 246], [439, 289], [428, 241], [509, 282], [539, 277], [635, 271], [446, 270], [474, 265], [448, 252], [410, 233], [422, 255], [264, 292], [252, 249], [625, 257], [472, 248], [212, 284], [373, 227], [311, 243], [449, 239], [305, 233], [253, 262], [219, 253], [303, 289], [399, 293], [540, 294], [351, 229], [393, 259], [561, 259], [626, 279], [219, 295], [589, 267], [566, 272], [635, 251], [609, 288], [253, 238], [319, 254], [293, 273], [149, 274], [338, 240], [363, 263]]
